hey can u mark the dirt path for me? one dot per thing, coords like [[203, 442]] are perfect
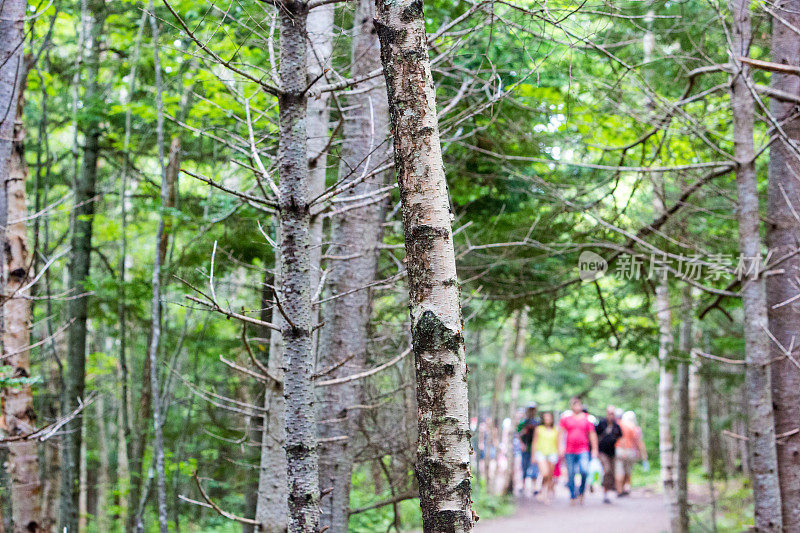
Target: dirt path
[[642, 512]]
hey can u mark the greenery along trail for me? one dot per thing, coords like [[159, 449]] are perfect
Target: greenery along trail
[[642, 512], [272, 264]]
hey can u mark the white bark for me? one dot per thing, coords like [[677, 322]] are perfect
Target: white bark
[[437, 328], [761, 426], [355, 237]]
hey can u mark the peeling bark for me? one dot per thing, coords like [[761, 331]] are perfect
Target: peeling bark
[[783, 238], [442, 468], [17, 399], [355, 237], [758, 394]]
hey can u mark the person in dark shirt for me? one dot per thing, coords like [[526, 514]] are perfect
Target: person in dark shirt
[[526, 429], [608, 433]]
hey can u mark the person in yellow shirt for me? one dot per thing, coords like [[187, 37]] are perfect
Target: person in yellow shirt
[[545, 449]]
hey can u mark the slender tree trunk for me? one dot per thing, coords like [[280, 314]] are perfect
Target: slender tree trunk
[[710, 451], [318, 57], [167, 199], [355, 238], [83, 502], [666, 453], [130, 430], [758, 393], [519, 353], [294, 291], [436, 324], [509, 334], [20, 418], [83, 215], [783, 238], [681, 525], [272, 505]]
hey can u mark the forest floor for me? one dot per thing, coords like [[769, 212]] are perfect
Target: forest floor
[[642, 512]]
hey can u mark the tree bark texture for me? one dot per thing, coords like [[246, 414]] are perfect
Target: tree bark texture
[[271, 505], [12, 74], [79, 266], [355, 237], [294, 291], [758, 393], [436, 325], [783, 238], [17, 398]]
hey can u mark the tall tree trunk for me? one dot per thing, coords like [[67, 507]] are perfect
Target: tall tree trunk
[[103, 473], [20, 418], [294, 290], [783, 238], [272, 502], [79, 266], [436, 324], [318, 57], [509, 335], [271, 508], [521, 337], [758, 393], [83, 482], [683, 436], [666, 453], [130, 429], [167, 199], [355, 238]]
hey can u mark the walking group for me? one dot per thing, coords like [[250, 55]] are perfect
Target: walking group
[[582, 448]]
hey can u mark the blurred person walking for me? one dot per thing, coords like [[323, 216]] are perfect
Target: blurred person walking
[[577, 445], [545, 450], [630, 449], [526, 429], [608, 433]]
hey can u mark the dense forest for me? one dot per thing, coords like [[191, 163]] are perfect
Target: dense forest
[[302, 265]]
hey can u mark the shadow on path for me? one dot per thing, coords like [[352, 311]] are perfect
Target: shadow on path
[[642, 512]]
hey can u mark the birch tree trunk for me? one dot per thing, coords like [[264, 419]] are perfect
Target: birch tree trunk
[[683, 437], [783, 228], [320, 47], [436, 324], [79, 267], [666, 455], [20, 418], [758, 393], [167, 195], [355, 238], [294, 290]]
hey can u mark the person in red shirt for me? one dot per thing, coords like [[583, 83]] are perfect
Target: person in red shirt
[[577, 445]]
